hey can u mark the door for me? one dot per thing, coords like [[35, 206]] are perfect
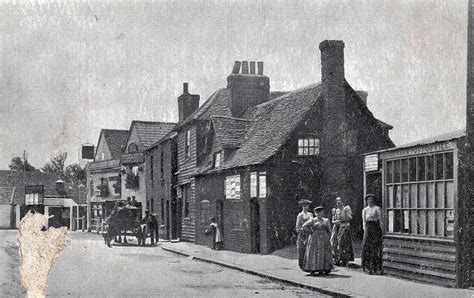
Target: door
[[220, 216], [255, 225]]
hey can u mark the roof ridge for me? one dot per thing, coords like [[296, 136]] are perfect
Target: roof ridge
[[154, 122], [290, 93], [231, 118]]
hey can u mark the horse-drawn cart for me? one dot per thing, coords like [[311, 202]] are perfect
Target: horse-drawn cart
[[124, 221]]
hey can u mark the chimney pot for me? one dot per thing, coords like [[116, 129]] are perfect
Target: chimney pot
[[252, 67], [185, 88], [260, 67], [236, 68], [245, 67]]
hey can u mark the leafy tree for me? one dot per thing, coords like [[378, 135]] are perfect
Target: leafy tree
[[21, 163], [75, 174], [55, 165]]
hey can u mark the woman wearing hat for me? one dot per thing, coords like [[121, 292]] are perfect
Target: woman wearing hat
[[303, 234], [318, 256], [372, 242]]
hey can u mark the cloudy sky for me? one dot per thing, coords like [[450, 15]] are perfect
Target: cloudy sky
[[69, 69]]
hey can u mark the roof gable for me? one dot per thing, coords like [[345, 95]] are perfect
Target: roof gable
[[146, 133], [273, 123], [113, 141]]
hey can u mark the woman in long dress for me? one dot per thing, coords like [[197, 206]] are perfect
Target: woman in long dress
[[318, 257], [341, 237], [372, 242], [303, 234]]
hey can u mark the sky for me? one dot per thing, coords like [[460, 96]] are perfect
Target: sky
[[70, 68]]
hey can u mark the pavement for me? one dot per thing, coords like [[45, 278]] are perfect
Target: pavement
[[342, 282]]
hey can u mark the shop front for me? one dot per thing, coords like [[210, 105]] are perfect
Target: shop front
[[422, 209]]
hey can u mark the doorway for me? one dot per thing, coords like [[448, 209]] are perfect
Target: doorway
[[255, 225], [220, 216]]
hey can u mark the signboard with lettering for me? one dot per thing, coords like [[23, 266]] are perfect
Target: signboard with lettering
[[232, 187], [132, 158], [371, 162]]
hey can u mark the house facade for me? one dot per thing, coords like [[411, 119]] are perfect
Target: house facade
[[142, 134], [267, 152], [104, 183], [161, 166]]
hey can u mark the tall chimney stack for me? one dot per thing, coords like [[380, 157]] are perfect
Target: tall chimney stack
[[260, 68], [252, 67], [187, 103], [245, 67]]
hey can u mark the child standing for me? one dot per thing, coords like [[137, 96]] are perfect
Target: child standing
[[216, 234]]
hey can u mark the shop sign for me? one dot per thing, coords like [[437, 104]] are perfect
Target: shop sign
[[132, 158], [371, 162]]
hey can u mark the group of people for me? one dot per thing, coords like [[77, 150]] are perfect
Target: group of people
[[321, 243]]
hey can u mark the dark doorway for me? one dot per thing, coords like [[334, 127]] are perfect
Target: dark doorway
[[255, 225], [176, 210], [167, 216], [220, 216]]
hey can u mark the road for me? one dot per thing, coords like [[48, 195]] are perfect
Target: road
[[88, 268]]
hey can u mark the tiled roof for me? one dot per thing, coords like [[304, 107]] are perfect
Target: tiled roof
[[273, 123], [151, 132], [169, 136], [6, 195], [457, 134], [218, 104], [229, 131], [115, 139], [19, 180]]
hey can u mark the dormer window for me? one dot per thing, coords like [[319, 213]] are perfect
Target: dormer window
[[308, 146], [132, 148], [217, 159]]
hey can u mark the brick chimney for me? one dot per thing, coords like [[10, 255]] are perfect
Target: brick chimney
[[363, 95], [334, 140], [187, 103], [248, 86]]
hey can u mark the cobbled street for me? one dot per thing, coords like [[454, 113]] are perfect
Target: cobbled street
[[88, 268]]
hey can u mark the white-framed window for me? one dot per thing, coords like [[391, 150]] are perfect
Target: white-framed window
[[258, 184], [187, 143], [308, 146], [102, 156], [217, 159]]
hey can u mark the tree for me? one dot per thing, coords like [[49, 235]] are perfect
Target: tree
[[21, 163], [75, 174], [55, 164]]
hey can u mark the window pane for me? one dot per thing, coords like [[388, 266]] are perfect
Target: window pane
[[440, 195], [398, 196], [449, 224], [450, 195], [398, 221], [422, 195], [396, 171], [439, 166], [300, 151], [300, 143], [389, 171], [412, 170], [430, 167], [390, 196], [422, 223], [404, 170], [448, 159], [414, 222], [311, 150], [440, 223], [305, 150], [305, 143], [431, 223], [431, 195], [406, 221], [421, 168], [311, 142], [405, 196], [413, 195]]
